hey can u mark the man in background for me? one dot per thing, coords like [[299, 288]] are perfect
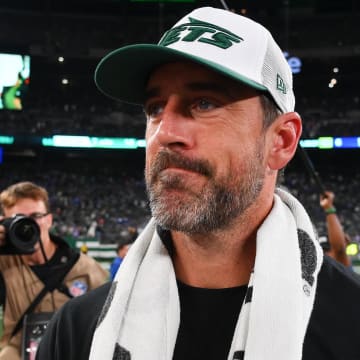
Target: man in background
[[52, 265], [121, 251]]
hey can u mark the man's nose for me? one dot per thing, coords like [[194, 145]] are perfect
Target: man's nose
[[176, 127]]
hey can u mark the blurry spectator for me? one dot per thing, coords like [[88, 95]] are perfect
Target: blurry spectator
[[122, 249], [121, 252], [337, 238], [92, 228]]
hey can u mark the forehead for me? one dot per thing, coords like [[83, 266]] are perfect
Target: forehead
[[183, 73], [25, 206]]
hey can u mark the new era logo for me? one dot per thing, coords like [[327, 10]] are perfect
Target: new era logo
[[280, 84]]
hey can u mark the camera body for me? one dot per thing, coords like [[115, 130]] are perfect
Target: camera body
[[21, 234]]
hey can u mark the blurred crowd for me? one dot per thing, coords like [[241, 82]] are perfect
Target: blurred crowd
[[346, 186]]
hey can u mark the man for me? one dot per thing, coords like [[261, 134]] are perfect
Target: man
[[23, 275], [337, 238], [227, 268]]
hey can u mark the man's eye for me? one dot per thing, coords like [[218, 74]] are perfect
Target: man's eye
[[204, 104], [36, 215], [153, 110]]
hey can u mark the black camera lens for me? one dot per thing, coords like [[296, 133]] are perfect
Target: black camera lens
[[24, 230], [21, 234]]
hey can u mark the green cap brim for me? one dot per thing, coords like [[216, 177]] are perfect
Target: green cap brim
[[123, 73]]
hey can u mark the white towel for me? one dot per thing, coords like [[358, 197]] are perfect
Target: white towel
[[141, 316]]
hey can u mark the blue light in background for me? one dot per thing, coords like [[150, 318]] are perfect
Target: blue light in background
[[352, 142]]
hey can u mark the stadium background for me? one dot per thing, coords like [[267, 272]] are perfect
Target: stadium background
[[98, 195]]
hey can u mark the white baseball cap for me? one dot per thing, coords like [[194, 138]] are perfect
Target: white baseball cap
[[221, 40]]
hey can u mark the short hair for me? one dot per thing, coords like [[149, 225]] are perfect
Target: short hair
[[122, 244], [270, 109], [271, 112], [23, 190]]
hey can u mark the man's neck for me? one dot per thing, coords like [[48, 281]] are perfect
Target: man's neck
[[221, 259], [213, 268]]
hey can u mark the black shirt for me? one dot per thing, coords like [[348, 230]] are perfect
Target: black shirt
[[332, 332], [210, 317]]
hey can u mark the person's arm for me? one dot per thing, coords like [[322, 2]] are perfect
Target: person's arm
[[336, 235]]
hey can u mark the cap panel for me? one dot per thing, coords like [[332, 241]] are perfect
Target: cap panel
[[218, 36], [277, 77]]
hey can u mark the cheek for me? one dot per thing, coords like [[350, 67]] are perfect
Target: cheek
[[45, 225], [148, 163], [151, 150], [150, 133], [43, 228]]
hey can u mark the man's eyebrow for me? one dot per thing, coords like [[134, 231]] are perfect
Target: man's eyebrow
[[194, 86]]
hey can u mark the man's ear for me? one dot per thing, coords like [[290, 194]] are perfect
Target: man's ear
[[284, 135]]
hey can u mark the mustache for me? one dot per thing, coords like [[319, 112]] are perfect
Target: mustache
[[166, 159]]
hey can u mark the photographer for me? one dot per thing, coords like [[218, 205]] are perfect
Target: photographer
[[39, 272]]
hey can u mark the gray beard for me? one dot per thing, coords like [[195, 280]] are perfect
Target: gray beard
[[215, 207]]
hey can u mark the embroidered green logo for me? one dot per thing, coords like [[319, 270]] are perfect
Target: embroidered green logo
[[200, 31], [280, 84]]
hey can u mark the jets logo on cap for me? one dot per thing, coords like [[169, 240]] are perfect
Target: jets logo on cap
[[280, 84], [200, 31]]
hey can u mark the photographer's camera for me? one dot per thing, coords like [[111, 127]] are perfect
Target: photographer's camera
[[21, 234]]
